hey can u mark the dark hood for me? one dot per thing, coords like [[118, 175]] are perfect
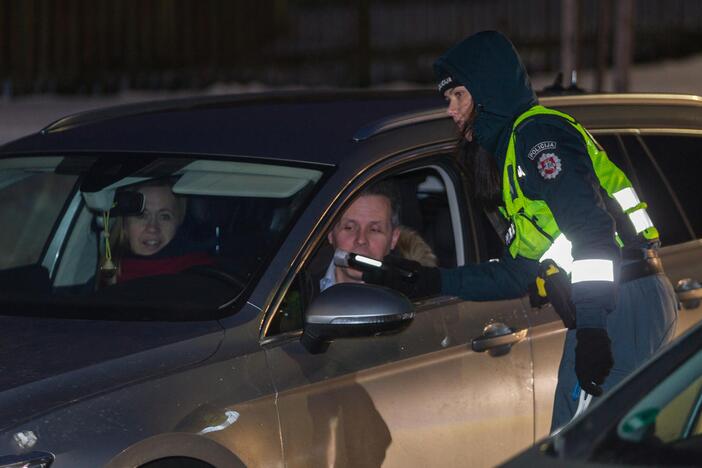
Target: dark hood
[[48, 363], [487, 64]]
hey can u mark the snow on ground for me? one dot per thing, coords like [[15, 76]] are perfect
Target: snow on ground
[[670, 76], [24, 115]]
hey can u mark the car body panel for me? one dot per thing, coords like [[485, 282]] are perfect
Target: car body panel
[[547, 336], [683, 261], [359, 403], [47, 364], [87, 431], [178, 444]]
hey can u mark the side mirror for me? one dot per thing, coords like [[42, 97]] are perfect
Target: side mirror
[[349, 310]]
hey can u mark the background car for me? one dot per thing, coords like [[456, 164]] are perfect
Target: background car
[[652, 418], [211, 364]]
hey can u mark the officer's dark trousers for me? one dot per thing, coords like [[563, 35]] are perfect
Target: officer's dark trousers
[[644, 320]]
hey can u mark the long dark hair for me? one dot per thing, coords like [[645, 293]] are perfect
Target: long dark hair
[[485, 182]]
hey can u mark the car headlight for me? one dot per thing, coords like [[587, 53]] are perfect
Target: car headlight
[[27, 460]]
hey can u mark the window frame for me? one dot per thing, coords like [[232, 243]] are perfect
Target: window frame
[[653, 158], [436, 157], [632, 170]]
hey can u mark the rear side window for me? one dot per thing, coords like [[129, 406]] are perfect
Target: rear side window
[[637, 161], [679, 158]]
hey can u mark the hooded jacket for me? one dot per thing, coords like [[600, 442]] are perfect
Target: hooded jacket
[[490, 68]]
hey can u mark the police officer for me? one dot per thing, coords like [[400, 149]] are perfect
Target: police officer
[[559, 196]]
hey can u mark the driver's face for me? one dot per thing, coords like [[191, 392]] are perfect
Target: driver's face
[[365, 228], [460, 108]]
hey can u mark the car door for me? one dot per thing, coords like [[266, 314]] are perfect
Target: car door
[[417, 398], [546, 335]]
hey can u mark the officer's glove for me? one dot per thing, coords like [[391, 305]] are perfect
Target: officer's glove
[[406, 276], [593, 359]]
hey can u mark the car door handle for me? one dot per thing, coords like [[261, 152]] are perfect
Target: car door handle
[[689, 293], [496, 335]]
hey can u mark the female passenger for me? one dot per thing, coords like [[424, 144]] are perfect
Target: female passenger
[[152, 243]]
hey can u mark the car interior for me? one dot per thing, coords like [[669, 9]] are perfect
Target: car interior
[[237, 213]]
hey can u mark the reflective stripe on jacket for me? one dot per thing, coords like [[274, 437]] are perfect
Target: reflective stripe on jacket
[[535, 234]]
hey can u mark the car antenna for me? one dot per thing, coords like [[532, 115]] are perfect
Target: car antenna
[[574, 88], [557, 88]]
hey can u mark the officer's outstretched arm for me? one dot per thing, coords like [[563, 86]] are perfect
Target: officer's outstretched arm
[[507, 278]]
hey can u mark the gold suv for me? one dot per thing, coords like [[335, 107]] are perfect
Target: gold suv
[[233, 358]]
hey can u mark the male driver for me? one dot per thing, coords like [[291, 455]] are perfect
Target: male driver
[[370, 227]]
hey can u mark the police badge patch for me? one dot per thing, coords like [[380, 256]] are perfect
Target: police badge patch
[[549, 165], [539, 147]]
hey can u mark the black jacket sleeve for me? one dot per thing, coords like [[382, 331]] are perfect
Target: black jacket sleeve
[[508, 278], [556, 168]]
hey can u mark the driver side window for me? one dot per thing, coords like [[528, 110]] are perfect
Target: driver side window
[[428, 231]]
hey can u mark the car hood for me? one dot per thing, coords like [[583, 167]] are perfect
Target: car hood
[[47, 363]]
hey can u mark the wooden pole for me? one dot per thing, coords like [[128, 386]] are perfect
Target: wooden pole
[[363, 52], [569, 39], [604, 22], [623, 45]]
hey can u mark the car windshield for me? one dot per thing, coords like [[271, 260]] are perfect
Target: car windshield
[[138, 237]]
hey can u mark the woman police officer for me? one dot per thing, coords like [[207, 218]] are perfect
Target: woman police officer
[[560, 196]]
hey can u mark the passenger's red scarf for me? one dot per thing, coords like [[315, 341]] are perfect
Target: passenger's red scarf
[[133, 268]]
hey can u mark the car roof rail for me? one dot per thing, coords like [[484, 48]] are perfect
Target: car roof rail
[[397, 121]]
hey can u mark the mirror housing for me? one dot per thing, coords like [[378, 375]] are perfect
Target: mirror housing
[[128, 204], [350, 310]]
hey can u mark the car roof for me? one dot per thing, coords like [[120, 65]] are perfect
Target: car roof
[[298, 125], [634, 110], [314, 126], [652, 111]]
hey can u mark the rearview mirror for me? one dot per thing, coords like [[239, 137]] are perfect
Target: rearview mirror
[[127, 203], [354, 310]]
